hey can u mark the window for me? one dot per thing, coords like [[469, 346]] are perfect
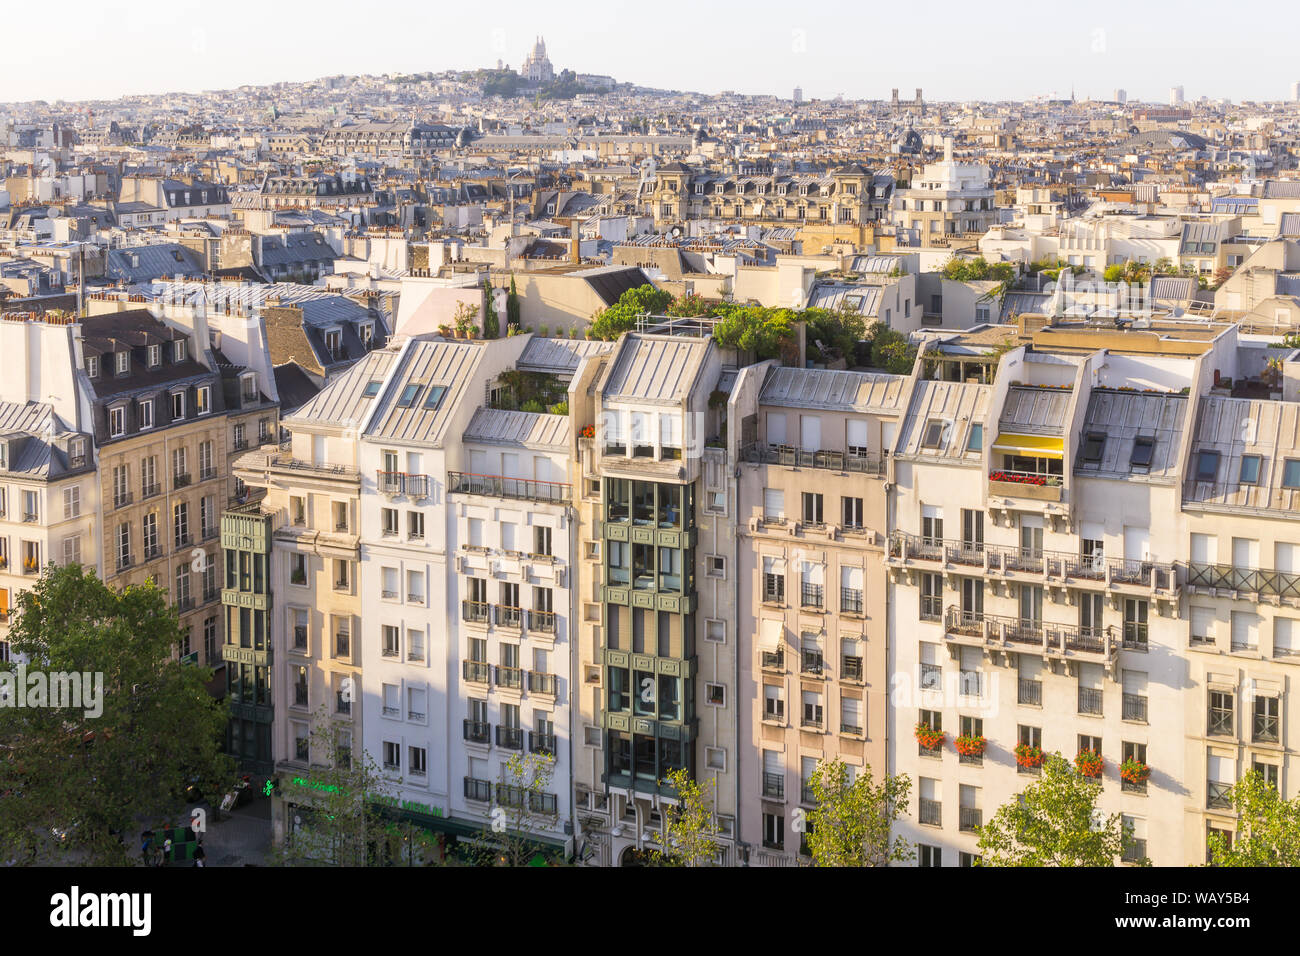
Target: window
[[1092, 447], [1221, 714], [542, 540], [178, 405], [851, 512], [417, 761], [392, 756], [146, 414], [388, 521], [1265, 726], [774, 831], [178, 350], [181, 523], [371, 389], [1144, 449], [92, 366], [123, 362], [434, 398], [123, 545], [415, 524], [717, 566], [72, 501], [812, 508], [298, 569], [1291, 473], [773, 504], [1207, 465], [933, 436], [927, 855], [407, 398], [202, 400], [72, 549], [975, 441], [1136, 752], [116, 422], [1249, 470], [715, 694]]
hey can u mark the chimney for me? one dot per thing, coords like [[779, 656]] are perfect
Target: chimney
[[574, 245], [947, 149]]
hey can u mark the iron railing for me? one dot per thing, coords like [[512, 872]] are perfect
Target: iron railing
[[512, 677], [476, 672], [511, 738], [1062, 638], [539, 683], [930, 812], [1256, 581], [1029, 692], [1135, 707], [969, 819], [765, 454], [477, 731], [499, 486], [774, 785], [1090, 700]]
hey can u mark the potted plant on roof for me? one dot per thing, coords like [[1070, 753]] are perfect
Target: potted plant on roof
[[928, 737], [1089, 763], [969, 745], [1029, 756], [1134, 771]]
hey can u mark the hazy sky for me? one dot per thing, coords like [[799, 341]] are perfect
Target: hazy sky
[[953, 50]]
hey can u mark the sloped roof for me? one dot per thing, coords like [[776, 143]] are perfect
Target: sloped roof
[[342, 401], [962, 404], [527, 429], [834, 390], [655, 368], [1124, 416]]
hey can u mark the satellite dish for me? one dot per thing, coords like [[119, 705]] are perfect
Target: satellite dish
[[676, 231]]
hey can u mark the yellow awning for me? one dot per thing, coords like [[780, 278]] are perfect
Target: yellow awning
[[1034, 446]]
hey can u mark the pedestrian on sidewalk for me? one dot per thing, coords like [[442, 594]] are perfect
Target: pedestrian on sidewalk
[[200, 855]]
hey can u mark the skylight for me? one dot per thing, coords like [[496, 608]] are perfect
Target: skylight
[[372, 389], [407, 398]]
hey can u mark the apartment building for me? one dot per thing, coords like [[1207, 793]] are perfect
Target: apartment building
[[811, 585], [1242, 587], [658, 636], [47, 500], [947, 202], [309, 497]]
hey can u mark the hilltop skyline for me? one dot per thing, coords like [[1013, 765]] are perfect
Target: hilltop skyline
[[759, 50]]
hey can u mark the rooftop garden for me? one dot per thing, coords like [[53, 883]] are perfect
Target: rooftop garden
[[517, 391]]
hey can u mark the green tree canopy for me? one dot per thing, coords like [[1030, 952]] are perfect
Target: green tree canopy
[[608, 324], [96, 777], [1268, 827], [1054, 822], [851, 823], [690, 833]]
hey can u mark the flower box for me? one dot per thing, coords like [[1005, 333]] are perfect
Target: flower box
[[1134, 771], [1089, 763], [587, 431], [1028, 756], [928, 737], [970, 746]]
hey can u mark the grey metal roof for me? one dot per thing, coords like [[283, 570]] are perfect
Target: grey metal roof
[[1019, 303], [35, 424], [1030, 410], [559, 356], [529, 429], [862, 299], [1289, 226], [876, 265], [960, 403], [835, 390], [146, 263], [447, 364], [1173, 289], [1239, 426], [341, 402], [1281, 189], [1122, 417], [655, 368]]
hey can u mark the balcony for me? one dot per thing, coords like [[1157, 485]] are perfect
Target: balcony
[[509, 616], [541, 621], [764, 454], [1264, 730], [930, 812], [1135, 636], [239, 444], [390, 711], [543, 803], [510, 738], [476, 612], [1025, 484], [152, 551], [539, 683], [774, 592], [774, 786], [1227, 577], [182, 480], [810, 662], [402, 483], [1135, 708], [1218, 795], [122, 499], [150, 490], [541, 743], [477, 731], [1029, 692], [812, 596], [480, 791], [850, 601], [499, 486], [851, 668], [976, 629], [969, 819], [772, 660], [475, 672], [207, 474], [1090, 701], [511, 677]]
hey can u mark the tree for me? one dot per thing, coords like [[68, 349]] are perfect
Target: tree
[[891, 351], [512, 305], [491, 322], [144, 728], [1054, 822], [688, 305], [610, 323], [336, 820], [839, 332], [690, 828], [525, 807], [1114, 273], [1268, 827], [850, 825]]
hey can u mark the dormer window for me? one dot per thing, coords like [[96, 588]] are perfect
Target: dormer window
[[4, 455], [155, 356], [334, 343], [178, 406], [92, 366], [77, 452], [719, 188], [117, 422], [367, 331], [248, 387], [699, 189], [123, 362], [146, 414], [202, 400], [178, 350]]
